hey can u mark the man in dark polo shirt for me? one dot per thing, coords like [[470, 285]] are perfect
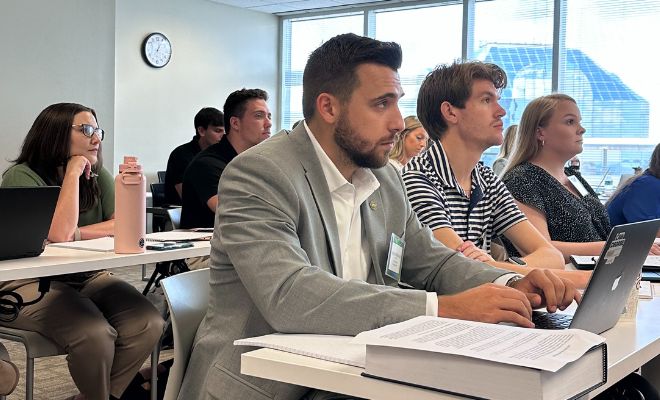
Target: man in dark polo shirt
[[247, 123], [209, 129]]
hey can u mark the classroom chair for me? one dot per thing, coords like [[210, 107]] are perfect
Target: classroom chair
[[187, 296], [36, 346], [175, 217], [3, 356]]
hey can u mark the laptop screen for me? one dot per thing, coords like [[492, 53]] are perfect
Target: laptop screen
[[26, 214]]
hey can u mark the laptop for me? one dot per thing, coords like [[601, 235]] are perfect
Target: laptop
[[623, 180], [613, 277], [651, 276], [26, 214]]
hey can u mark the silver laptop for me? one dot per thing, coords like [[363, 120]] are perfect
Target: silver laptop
[[613, 277], [25, 215], [623, 180]]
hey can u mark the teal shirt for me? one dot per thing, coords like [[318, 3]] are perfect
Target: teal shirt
[[22, 175]]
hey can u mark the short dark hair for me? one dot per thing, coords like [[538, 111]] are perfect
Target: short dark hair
[[331, 67], [236, 101], [208, 116], [452, 83]]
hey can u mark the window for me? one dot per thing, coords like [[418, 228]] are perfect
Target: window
[[608, 72], [517, 36], [606, 62], [301, 37], [428, 36]]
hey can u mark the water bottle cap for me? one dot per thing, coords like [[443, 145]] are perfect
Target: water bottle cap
[[130, 164]]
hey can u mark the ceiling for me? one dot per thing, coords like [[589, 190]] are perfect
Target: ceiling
[[279, 7]]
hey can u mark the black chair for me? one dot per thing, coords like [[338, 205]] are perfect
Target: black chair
[[158, 210], [161, 176], [158, 194], [167, 268]]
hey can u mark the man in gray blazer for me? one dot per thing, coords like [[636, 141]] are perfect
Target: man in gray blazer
[[305, 224]]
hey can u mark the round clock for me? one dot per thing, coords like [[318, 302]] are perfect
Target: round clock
[[156, 50]]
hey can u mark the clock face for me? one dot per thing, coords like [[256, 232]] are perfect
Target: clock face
[[157, 50]]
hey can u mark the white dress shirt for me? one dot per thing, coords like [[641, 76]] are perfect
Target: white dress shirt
[[346, 200]]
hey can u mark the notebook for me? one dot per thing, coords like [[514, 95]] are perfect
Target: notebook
[[614, 276], [26, 214]]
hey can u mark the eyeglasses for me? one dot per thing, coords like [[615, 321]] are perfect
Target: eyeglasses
[[89, 130]]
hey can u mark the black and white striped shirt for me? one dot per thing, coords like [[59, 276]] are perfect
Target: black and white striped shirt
[[440, 202]]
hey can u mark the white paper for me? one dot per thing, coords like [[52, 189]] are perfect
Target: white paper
[[646, 290], [652, 261], [104, 244], [177, 236], [535, 348], [337, 349]]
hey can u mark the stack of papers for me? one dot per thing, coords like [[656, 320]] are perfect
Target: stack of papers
[[177, 236], [104, 244]]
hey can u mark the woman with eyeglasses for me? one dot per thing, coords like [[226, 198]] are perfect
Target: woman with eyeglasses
[[105, 325]]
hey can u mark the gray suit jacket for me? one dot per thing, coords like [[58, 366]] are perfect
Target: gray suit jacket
[[276, 267]]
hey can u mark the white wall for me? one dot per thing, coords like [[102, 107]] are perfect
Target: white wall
[[216, 49], [88, 51], [51, 52]]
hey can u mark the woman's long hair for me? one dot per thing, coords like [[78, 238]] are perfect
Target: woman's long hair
[[536, 115], [654, 163], [47, 146], [509, 141], [411, 123]]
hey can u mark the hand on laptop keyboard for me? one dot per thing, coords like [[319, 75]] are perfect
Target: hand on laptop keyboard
[[545, 289]]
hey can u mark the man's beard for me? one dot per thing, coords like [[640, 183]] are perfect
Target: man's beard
[[349, 141]]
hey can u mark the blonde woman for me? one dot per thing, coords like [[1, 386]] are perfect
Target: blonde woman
[[555, 199], [506, 149], [409, 143]]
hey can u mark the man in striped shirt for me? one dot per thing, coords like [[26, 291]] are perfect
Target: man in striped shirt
[[463, 202]]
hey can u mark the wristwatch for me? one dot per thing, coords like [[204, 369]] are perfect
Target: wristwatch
[[513, 280], [517, 260]]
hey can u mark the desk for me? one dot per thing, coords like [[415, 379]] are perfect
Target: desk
[[58, 260], [630, 346]]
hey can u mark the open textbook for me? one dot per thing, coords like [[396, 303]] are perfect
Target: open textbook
[[469, 358], [486, 360]]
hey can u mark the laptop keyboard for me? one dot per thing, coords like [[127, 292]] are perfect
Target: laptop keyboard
[[544, 320]]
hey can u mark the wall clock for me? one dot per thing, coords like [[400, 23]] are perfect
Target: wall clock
[[156, 50]]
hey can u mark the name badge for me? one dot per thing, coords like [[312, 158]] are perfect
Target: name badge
[[578, 185], [395, 257]]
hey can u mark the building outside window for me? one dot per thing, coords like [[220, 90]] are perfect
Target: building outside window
[[604, 63]]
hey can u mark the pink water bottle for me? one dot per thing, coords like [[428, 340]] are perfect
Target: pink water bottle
[[130, 207]]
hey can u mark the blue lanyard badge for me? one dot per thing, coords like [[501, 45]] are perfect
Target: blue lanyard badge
[[395, 257]]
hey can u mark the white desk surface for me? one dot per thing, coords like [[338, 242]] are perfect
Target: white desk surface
[[630, 345], [57, 261]]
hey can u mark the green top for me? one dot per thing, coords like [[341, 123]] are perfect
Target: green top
[[22, 175]]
